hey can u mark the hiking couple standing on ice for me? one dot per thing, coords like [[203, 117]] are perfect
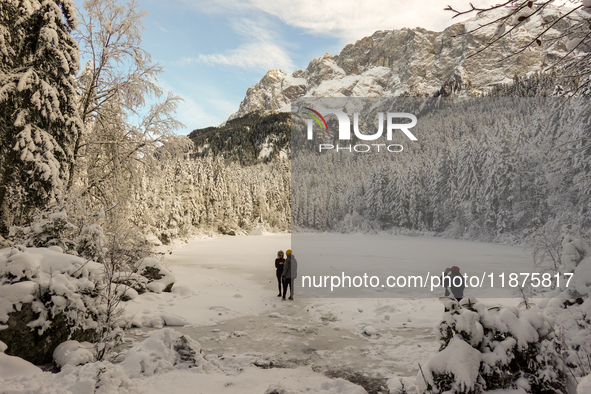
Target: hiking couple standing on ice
[[286, 272]]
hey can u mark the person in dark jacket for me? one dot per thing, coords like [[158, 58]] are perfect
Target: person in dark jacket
[[453, 285], [279, 263], [290, 273]]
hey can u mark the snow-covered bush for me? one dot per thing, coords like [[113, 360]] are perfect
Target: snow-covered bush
[[47, 297], [574, 318], [486, 348], [574, 250], [91, 240], [53, 227], [544, 243], [402, 385], [115, 259], [4, 243], [581, 281], [50, 228]]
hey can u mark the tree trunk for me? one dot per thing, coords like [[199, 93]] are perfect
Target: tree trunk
[[72, 169], [4, 183]]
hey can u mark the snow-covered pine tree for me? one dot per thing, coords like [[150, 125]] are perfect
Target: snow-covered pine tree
[[493, 349], [399, 208], [39, 119]]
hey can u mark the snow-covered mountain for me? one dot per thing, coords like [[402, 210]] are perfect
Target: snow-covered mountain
[[410, 62]]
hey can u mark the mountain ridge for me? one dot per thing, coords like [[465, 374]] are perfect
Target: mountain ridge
[[405, 62], [410, 62]]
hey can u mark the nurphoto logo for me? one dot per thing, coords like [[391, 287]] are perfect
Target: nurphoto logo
[[392, 119]]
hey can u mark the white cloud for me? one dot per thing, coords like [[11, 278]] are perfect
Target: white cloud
[[353, 20], [254, 55], [261, 51], [347, 20]]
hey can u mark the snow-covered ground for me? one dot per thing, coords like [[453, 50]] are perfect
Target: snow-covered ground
[[249, 340]]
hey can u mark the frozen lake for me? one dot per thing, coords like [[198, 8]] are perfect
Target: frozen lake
[[414, 265]]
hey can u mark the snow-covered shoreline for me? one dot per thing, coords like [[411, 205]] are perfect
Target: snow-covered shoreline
[[225, 303]]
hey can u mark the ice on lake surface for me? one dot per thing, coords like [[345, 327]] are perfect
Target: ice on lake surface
[[383, 256]]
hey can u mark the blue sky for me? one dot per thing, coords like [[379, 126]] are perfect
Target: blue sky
[[212, 51]]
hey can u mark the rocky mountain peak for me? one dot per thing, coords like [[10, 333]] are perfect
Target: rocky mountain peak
[[409, 62]]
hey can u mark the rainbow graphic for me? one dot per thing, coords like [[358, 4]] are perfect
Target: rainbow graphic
[[316, 117]]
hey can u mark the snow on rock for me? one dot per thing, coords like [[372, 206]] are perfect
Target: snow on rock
[[155, 322], [341, 386], [584, 386], [156, 287], [256, 231], [11, 366], [165, 349], [154, 240], [459, 359], [336, 386], [370, 330], [400, 384], [278, 389], [173, 320], [12, 296], [19, 266], [92, 378], [133, 280], [73, 353], [127, 293], [3, 347], [269, 87], [159, 278], [56, 248], [238, 334]]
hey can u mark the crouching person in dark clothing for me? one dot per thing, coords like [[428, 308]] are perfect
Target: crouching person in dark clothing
[[454, 283], [290, 273]]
